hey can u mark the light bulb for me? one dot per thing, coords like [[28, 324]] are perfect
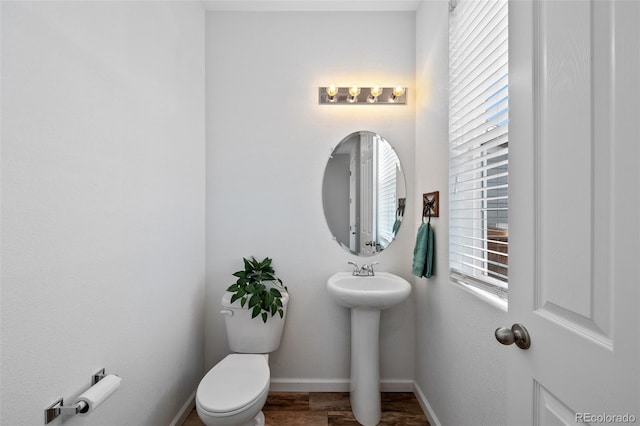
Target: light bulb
[[376, 90], [397, 92], [332, 91], [354, 91]]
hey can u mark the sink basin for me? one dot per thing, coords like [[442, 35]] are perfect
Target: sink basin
[[381, 291]]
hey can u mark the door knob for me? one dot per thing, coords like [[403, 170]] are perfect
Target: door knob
[[516, 334]]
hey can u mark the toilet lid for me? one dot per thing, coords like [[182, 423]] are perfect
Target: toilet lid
[[234, 383]]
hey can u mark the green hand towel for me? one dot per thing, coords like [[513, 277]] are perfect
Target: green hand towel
[[423, 252], [428, 270], [420, 251], [396, 227]]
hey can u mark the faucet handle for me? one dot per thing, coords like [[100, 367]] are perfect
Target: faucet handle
[[369, 267], [356, 268]]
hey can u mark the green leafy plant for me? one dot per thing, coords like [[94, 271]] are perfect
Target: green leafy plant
[[251, 290]]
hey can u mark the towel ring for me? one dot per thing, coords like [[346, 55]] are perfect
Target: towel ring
[[400, 210], [426, 210]]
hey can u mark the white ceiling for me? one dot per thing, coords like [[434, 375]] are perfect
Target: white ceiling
[[312, 5]]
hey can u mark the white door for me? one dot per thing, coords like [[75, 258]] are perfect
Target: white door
[[353, 204], [368, 191], [574, 260]]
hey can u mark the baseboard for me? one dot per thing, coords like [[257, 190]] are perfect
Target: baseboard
[[185, 410], [396, 385], [309, 385], [334, 385], [426, 407]]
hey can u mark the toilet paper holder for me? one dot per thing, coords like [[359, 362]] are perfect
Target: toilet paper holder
[[58, 407]]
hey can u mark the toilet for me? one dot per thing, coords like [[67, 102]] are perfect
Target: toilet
[[234, 391]]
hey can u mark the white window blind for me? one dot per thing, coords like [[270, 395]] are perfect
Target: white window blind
[[479, 144], [386, 198]]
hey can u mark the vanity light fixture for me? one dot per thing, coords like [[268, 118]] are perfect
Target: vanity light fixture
[[354, 94]]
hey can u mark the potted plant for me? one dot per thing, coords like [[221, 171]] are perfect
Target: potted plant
[[259, 288]]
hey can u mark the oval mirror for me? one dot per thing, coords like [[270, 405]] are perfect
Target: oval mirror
[[364, 193]]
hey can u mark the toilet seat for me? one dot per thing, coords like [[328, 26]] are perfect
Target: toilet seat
[[233, 384]]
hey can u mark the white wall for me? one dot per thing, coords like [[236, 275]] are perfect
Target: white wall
[[102, 206], [268, 142], [459, 364]]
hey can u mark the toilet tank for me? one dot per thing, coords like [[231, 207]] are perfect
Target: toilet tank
[[252, 335]]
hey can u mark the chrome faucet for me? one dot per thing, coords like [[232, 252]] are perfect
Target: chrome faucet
[[365, 271]]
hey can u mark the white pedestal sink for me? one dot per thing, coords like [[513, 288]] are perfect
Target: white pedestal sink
[[366, 296]]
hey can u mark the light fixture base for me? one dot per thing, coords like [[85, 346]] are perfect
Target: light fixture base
[[342, 97]]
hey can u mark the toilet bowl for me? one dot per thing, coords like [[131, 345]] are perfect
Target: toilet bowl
[[234, 391]]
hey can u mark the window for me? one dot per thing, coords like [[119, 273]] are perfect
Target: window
[[386, 188], [479, 144]]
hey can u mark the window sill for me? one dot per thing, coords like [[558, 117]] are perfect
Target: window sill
[[485, 296]]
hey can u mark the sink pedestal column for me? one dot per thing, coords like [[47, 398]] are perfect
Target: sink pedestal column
[[365, 365]]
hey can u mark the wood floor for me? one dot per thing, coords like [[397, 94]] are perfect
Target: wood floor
[[332, 409]]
